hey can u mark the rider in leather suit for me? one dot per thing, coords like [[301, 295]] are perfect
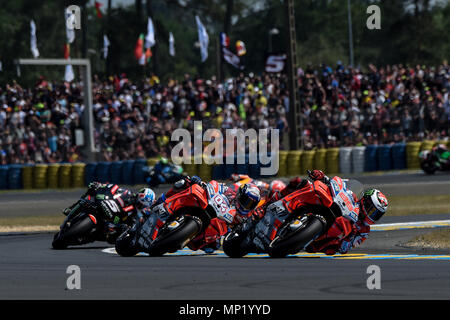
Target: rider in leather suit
[[118, 206], [230, 206], [347, 232]]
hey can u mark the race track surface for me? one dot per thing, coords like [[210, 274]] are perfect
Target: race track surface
[[30, 269]]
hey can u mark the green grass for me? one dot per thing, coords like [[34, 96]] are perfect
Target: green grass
[[47, 220], [418, 204], [398, 206]]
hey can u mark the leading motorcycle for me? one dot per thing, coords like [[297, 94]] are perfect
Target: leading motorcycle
[[293, 222]]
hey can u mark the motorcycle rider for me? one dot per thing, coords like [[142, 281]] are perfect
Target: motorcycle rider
[[345, 233], [230, 206], [241, 179], [161, 171], [120, 207]]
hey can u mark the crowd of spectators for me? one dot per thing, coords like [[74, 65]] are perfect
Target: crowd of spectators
[[340, 106]]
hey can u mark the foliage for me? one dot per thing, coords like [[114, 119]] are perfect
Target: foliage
[[413, 31]]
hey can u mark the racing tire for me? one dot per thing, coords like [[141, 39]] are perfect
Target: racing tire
[[428, 168], [57, 243], [124, 246], [177, 238], [296, 241], [73, 235], [232, 245]]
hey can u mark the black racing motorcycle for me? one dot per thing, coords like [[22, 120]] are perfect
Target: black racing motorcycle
[[84, 223]]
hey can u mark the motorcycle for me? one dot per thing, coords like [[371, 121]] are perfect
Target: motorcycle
[[169, 226], [292, 223], [432, 161], [85, 224], [169, 174], [79, 227]]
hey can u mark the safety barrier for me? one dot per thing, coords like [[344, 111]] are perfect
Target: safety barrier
[[78, 170], [40, 176], [332, 160], [127, 172], [412, 155], [384, 158], [370, 158], [358, 159], [52, 175], [345, 160], [4, 173], [399, 156], [291, 163], [65, 175], [138, 172], [320, 160], [27, 176], [306, 161], [282, 164]]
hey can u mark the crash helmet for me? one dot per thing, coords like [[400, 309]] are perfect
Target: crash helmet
[[247, 198], [373, 205], [276, 186], [164, 160], [145, 197]]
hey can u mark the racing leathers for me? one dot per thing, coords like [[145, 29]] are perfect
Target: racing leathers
[[221, 201], [346, 232]]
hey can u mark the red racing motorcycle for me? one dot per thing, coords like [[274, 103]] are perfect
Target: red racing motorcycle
[[169, 226], [292, 223]]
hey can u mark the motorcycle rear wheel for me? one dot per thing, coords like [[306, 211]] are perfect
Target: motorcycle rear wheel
[[294, 242], [232, 245], [123, 245]]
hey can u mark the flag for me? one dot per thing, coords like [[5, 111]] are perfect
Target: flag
[[232, 59], [105, 46], [150, 37], [145, 58], [139, 48], [68, 75], [203, 39], [171, 44], [224, 40], [33, 40], [70, 33], [97, 8], [66, 51], [240, 48]]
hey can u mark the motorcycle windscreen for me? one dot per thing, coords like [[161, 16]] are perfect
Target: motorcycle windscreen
[[356, 186]]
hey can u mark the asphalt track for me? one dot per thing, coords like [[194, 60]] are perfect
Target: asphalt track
[[30, 269]]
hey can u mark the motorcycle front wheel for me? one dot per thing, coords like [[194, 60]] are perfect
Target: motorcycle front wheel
[[293, 242], [175, 239]]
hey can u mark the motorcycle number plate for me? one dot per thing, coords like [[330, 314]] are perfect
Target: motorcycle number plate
[[348, 208]]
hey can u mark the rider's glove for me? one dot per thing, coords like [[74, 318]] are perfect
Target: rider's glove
[[316, 175], [345, 246], [92, 187], [258, 213], [196, 180]]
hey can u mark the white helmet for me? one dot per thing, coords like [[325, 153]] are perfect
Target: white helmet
[[146, 197]]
